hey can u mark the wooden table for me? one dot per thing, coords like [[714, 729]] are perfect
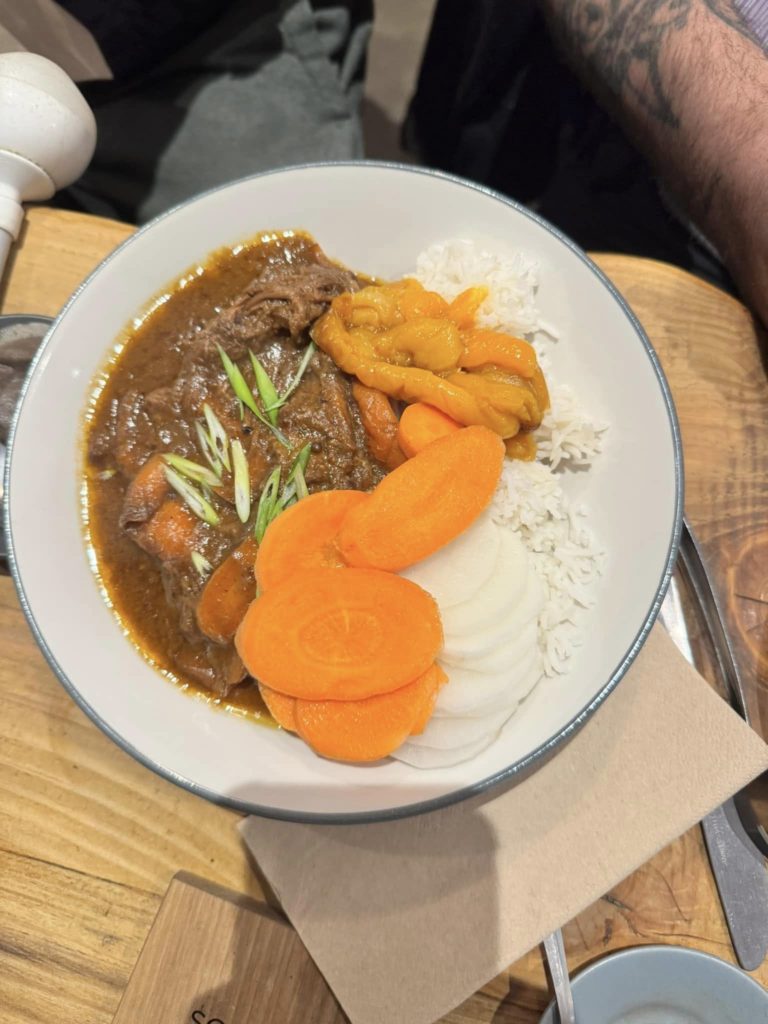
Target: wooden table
[[89, 839]]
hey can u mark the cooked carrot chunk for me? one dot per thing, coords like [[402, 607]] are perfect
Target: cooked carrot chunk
[[170, 533], [420, 425], [227, 594], [380, 424]]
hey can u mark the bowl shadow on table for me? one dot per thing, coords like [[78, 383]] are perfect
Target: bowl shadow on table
[[439, 867], [462, 867]]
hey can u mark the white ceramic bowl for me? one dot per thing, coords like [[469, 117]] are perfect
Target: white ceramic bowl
[[374, 218]]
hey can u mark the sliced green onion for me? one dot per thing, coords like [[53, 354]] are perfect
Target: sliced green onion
[[217, 435], [195, 501], [245, 395], [301, 460], [213, 440], [309, 352], [269, 396], [296, 473], [242, 482], [302, 491], [288, 496], [192, 470], [201, 563], [106, 474], [269, 504], [206, 447]]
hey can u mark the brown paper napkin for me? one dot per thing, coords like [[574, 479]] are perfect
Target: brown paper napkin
[[406, 919]]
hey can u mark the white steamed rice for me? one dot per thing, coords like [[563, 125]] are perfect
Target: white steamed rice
[[530, 498]]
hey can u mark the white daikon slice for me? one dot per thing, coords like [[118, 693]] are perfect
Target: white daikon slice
[[428, 757], [498, 595], [469, 693], [458, 570], [504, 658], [446, 733], [465, 649]]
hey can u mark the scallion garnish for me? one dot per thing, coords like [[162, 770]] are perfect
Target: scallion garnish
[[296, 380], [213, 440], [288, 496], [194, 500], [192, 470], [238, 383], [269, 504], [245, 395], [301, 460], [270, 399], [242, 482], [302, 491], [296, 472], [201, 563]]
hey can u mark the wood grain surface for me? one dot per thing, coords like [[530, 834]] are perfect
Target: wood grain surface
[[89, 840], [233, 960]]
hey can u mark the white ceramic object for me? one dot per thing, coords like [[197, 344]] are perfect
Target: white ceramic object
[[47, 133], [374, 218]]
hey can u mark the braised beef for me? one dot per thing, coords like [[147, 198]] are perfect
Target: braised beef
[[263, 300]]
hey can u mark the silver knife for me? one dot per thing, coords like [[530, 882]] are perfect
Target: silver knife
[[739, 870]]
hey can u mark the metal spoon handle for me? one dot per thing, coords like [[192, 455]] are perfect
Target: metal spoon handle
[[558, 968]]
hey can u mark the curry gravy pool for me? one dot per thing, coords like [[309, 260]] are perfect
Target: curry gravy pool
[[261, 296]]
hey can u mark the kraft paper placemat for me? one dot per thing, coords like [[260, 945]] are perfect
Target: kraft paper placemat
[[406, 919]]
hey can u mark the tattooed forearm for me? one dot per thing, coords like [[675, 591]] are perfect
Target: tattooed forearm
[[621, 42]]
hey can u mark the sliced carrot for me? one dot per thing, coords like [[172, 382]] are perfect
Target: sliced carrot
[[364, 730], [380, 425], [171, 532], [281, 707], [464, 307], [421, 424], [439, 678], [491, 348], [321, 634], [146, 492], [304, 536], [227, 594], [421, 506]]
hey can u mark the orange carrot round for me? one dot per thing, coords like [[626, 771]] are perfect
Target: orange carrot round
[[365, 730], [425, 503], [321, 634], [281, 707], [421, 424], [438, 678], [227, 594], [304, 536]]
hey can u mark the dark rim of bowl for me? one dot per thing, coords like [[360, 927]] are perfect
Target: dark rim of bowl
[[518, 768]]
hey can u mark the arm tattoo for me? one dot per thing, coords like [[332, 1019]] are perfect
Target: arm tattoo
[[622, 40]]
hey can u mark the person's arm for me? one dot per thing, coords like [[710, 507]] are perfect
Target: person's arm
[[688, 81]]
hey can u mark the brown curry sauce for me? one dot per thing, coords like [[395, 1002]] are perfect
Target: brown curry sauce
[[150, 355]]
